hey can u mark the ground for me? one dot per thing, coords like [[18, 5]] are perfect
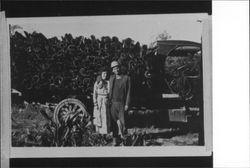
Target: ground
[[32, 127]]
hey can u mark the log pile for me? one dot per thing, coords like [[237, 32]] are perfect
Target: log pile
[[50, 69], [44, 69]]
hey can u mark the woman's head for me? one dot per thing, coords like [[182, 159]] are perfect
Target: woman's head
[[101, 79], [104, 73]]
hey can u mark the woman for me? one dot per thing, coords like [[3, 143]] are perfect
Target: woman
[[100, 98]]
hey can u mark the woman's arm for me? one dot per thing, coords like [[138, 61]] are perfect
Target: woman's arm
[[108, 87], [95, 94]]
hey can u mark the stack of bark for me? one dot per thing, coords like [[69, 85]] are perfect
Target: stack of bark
[[44, 69]]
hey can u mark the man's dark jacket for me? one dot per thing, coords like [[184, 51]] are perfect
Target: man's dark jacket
[[126, 88]]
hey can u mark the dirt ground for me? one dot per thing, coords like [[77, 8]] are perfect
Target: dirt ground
[[167, 137], [29, 127]]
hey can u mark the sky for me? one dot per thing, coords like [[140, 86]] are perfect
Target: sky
[[142, 28]]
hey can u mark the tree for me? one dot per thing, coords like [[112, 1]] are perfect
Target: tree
[[162, 36], [14, 28]]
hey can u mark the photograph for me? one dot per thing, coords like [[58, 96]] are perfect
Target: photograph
[[126, 80]]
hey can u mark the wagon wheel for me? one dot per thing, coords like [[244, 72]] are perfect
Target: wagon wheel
[[70, 110]]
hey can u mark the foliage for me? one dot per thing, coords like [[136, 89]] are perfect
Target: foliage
[[162, 36], [32, 128]]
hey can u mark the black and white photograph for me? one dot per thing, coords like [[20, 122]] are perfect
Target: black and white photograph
[[107, 81], [127, 84]]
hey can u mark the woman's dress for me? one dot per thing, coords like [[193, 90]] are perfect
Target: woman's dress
[[101, 114]]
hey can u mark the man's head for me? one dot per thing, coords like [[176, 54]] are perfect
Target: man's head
[[115, 68]]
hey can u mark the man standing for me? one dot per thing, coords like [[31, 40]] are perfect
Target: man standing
[[120, 98]]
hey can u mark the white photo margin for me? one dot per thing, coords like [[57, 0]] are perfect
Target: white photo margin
[[5, 103], [163, 151]]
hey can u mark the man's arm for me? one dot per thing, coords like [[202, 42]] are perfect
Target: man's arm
[[128, 94], [111, 80]]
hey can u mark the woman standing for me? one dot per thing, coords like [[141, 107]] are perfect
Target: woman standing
[[100, 98]]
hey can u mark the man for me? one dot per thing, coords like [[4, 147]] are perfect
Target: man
[[119, 97]]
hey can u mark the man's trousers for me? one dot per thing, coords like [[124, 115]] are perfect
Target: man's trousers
[[118, 119]]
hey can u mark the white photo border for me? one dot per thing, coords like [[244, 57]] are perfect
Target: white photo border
[[5, 99], [168, 151]]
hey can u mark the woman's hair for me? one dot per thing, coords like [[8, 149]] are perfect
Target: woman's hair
[[103, 69], [100, 82], [99, 77]]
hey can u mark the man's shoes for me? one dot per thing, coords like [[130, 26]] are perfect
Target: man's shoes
[[115, 142]]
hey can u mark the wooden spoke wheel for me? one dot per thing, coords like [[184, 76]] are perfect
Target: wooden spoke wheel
[[70, 110]]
